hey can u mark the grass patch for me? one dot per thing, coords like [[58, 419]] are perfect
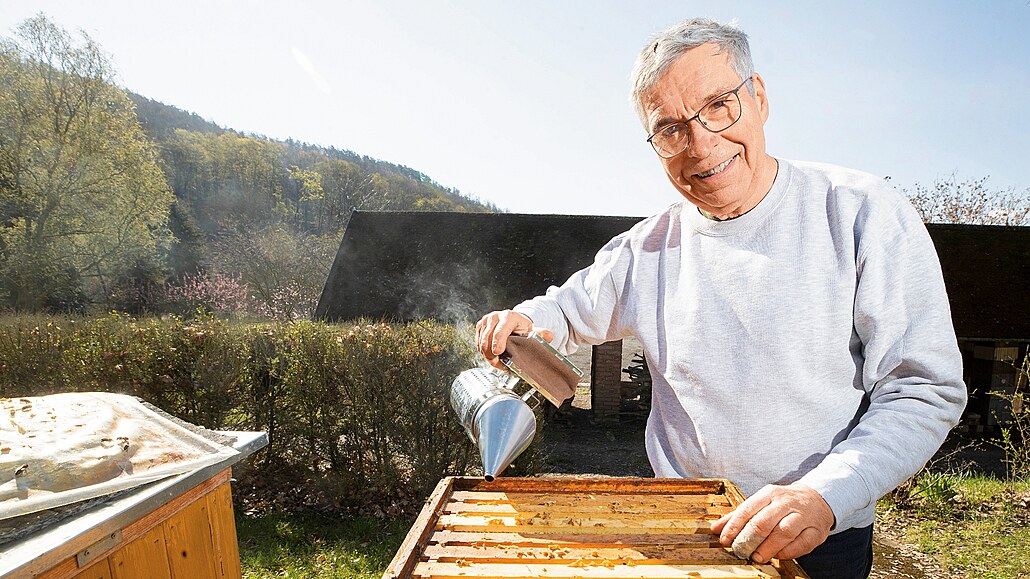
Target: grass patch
[[981, 531], [310, 545]]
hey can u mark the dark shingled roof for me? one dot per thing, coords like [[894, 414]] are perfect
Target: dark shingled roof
[[456, 266]]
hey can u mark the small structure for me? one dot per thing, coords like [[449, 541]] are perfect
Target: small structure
[[456, 266], [987, 271], [112, 487]]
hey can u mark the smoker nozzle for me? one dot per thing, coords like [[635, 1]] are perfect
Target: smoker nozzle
[[505, 429]]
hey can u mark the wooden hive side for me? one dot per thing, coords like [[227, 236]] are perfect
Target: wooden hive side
[[192, 535], [407, 556]]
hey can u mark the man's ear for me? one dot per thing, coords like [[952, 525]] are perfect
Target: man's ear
[[761, 98]]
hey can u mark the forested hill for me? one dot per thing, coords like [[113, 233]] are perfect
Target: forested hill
[[266, 214], [165, 125], [111, 200], [160, 121]]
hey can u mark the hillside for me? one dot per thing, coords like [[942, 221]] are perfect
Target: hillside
[[269, 214], [170, 127], [161, 121], [111, 200]]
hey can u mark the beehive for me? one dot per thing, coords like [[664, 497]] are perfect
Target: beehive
[[191, 536], [181, 527], [576, 527]]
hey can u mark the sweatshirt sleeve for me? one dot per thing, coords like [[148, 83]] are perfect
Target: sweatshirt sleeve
[[912, 368], [585, 308]]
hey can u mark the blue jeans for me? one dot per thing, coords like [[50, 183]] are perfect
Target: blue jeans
[[846, 555]]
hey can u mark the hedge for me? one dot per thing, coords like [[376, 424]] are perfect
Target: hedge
[[356, 414]]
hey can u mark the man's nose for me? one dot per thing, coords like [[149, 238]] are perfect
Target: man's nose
[[699, 139]]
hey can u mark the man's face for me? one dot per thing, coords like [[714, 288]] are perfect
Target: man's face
[[701, 74]]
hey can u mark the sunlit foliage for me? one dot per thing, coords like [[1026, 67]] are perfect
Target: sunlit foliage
[[82, 199]]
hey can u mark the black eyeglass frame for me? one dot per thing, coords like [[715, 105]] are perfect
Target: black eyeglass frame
[[699, 120]]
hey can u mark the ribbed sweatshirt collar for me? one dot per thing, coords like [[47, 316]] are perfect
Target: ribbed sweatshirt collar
[[750, 220]]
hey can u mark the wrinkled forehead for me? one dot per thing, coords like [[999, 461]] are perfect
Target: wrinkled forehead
[[697, 76]]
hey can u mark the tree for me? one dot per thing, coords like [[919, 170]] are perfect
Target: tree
[[82, 199], [226, 177], [343, 185], [310, 196], [952, 201], [283, 270]]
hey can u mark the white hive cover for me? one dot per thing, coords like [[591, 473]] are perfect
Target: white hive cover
[[63, 448]]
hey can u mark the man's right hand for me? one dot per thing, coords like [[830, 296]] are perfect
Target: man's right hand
[[493, 329]]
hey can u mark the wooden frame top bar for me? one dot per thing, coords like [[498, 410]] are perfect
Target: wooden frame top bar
[[576, 527]]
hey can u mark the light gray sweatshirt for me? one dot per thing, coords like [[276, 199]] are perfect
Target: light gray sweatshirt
[[807, 340]]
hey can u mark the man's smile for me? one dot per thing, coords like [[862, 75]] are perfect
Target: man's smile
[[717, 169]]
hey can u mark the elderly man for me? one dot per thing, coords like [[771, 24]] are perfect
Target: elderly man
[[793, 315]]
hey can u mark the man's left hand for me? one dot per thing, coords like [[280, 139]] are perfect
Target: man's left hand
[[794, 520]]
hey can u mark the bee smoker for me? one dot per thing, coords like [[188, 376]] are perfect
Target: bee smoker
[[499, 421]]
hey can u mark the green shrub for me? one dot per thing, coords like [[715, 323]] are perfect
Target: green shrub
[[935, 488], [357, 414]]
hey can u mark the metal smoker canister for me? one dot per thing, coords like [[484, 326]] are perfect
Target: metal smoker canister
[[497, 420]]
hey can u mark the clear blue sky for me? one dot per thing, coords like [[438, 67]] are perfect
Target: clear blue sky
[[524, 104]]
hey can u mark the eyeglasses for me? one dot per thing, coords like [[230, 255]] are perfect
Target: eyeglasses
[[717, 115]]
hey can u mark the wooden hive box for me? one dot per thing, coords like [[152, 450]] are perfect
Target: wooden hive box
[[181, 527], [576, 527]]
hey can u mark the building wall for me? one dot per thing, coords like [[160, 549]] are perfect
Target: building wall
[[991, 370]]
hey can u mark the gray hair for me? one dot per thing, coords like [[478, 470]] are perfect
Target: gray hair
[[667, 47]]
